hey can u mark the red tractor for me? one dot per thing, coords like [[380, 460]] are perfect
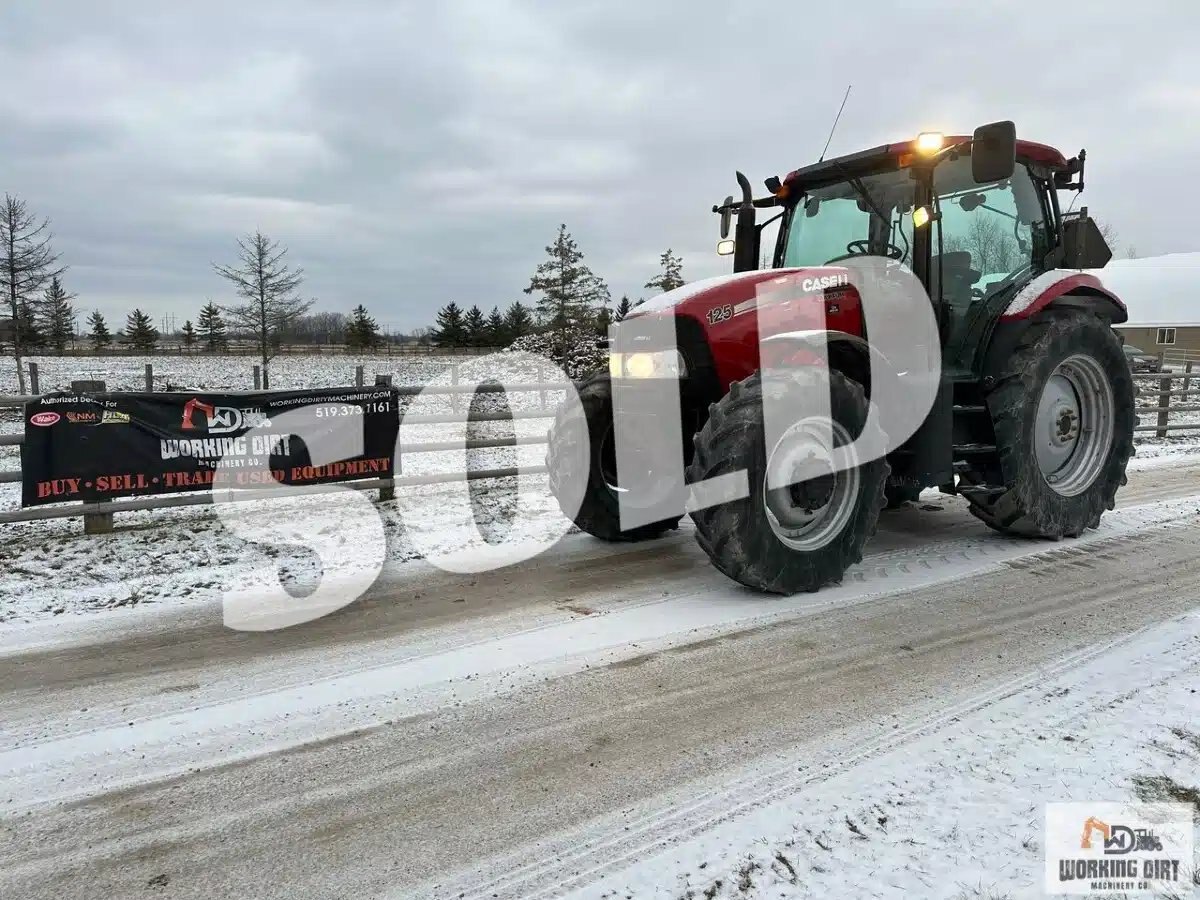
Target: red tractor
[[1033, 418]]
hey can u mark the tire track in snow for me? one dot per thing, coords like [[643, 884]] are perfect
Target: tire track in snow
[[79, 763]]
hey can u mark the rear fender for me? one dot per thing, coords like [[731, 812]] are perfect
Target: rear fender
[[1056, 289], [1065, 287]]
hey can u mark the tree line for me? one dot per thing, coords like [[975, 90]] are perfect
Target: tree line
[[570, 300], [42, 313], [269, 309]]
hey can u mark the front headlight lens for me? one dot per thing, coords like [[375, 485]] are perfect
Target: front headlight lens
[[647, 364]]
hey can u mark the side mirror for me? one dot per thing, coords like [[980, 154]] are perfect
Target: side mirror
[[726, 216], [1083, 245], [994, 152]]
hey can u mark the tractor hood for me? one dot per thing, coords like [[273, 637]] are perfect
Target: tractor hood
[[726, 314], [699, 298]]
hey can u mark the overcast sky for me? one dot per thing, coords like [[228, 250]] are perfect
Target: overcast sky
[[413, 153]]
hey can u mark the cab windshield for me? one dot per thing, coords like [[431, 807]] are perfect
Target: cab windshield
[[990, 233], [850, 218]]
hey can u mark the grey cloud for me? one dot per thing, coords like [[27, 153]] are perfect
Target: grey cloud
[[412, 153]]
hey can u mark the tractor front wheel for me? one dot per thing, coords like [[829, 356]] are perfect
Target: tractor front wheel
[[582, 463], [805, 534], [1063, 414]]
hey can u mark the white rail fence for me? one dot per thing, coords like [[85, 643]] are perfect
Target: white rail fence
[[98, 515]]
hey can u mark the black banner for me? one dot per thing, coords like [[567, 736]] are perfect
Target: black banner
[[103, 446]]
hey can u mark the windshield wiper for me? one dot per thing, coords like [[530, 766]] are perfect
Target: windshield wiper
[[861, 189]]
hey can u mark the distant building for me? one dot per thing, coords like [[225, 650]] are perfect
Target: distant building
[[1162, 294]]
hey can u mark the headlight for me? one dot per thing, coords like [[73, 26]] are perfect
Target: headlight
[[647, 364]]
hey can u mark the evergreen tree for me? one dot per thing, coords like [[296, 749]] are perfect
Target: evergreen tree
[[671, 276], [58, 315], [603, 320], [99, 333], [29, 333], [623, 309], [570, 291], [212, 327], [449, 330], [189, 335], [476, 327], [517, 321], [140, 333], [363, 331], [497, 332]]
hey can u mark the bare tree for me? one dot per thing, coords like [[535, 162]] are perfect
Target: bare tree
[[268, 286], [990, 242], [27, 262]]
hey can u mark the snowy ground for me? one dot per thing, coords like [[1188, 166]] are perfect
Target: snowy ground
[[1117, 722], [619, 721], [612, 721]]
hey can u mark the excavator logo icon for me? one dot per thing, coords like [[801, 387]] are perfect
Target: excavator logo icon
[[1118, 838], [220, 419]]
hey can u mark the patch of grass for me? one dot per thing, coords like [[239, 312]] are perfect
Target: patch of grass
[[791, 870], [1188, 737], [979, 892], [1163, 789], [746, 875]]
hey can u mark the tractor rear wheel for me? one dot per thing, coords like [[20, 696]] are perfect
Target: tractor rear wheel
[[806, 534], [1063, 414], [581, 458]]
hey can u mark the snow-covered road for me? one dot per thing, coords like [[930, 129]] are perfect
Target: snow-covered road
[[546, 727]]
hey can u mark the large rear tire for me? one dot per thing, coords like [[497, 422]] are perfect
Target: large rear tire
[[588, 425], [1063, 413], [791, 539]]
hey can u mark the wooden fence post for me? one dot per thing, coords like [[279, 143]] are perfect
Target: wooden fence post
[[1187, 379], [149, 378], [98, 523], [541, 377], [454, 381], [1164, 387], [1162, 359], [358, 376], [258, 378], [34, 386], [388, 491]]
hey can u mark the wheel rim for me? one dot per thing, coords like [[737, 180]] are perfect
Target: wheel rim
[[817, 502], [1074, 425]]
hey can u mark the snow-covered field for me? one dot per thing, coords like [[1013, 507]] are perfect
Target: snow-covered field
[[184, 555], [220, 373]]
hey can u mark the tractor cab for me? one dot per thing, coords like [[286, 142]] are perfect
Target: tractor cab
[[974, 218]]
